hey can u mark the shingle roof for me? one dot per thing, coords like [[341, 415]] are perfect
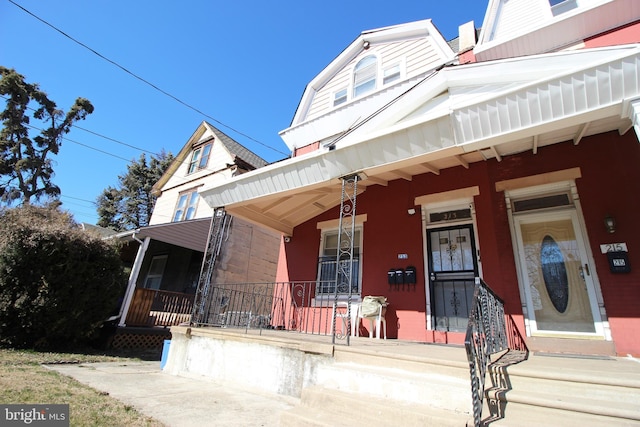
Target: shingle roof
[[238, 149]]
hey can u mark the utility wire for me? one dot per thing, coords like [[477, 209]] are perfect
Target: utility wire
[[144, 80], [101, 136], [85, 145]]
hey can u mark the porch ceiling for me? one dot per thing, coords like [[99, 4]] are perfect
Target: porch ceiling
[[191, 234], [526, 117]]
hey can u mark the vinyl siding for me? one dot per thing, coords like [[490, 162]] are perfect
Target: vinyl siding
[[519, 16], [216, 171], [416, 56]]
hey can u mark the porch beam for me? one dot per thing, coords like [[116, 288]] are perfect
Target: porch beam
[[430, 168], [403, 175], [580, 134], [462, 161], [495, 153], [376, 180]]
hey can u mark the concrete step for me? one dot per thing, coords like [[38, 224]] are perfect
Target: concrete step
[[321, 407], [597, 391], [449, 390], [512, 414]]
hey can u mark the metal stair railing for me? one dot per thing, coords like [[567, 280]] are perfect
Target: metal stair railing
[[486, 335]]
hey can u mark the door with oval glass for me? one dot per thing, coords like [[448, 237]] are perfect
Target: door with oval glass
[[453, 267], [558, 283]]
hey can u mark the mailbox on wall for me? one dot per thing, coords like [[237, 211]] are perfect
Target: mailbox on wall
[[619, 262]]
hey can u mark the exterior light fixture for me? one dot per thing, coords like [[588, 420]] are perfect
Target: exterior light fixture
[[610, 224], [365, 45]]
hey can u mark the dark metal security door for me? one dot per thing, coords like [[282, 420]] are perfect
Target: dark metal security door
[[453, 267]]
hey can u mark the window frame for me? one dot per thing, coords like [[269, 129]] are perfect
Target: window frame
[[153, 276], [324, 256], [360, 88], [199, 157], [189, 209]]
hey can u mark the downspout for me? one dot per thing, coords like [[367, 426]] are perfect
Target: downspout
[[133, 278]]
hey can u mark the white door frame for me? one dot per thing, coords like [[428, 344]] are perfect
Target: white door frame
[[574, 213]]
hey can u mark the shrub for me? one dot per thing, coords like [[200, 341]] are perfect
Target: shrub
[[58, 283]]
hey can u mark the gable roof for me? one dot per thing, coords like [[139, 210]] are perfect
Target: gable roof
[[243, 157], [366, 40]]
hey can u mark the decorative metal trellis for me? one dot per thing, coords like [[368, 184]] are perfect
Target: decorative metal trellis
[[219, 225], [344, 256]]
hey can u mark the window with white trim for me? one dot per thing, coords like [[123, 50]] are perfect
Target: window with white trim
[[365, 75], [156, 271], [391, 74], [340, 97], [186, 207], [199, 158], [327, 263]]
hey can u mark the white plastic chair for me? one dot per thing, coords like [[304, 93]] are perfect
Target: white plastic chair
[[341, 313], [377, 316]]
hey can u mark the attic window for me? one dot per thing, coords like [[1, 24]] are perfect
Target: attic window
[[365, 75], [199, 158], [561, 6], [391, 74], [340, 97]]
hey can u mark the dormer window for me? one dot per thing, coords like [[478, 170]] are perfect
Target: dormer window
[[340, 97], [391, 74], [562, 6], [365, 75], [199, 158]]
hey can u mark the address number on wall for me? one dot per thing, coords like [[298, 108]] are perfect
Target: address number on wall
[[613, 247]]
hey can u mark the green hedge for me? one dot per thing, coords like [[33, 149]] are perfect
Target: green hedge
[[58, 283]]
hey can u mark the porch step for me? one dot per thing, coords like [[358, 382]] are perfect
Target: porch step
[[322, 407], [564, 390]]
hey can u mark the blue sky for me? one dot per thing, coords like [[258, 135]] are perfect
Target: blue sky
[[244, 64]]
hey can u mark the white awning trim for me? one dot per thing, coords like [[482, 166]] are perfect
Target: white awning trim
[[530, 106]]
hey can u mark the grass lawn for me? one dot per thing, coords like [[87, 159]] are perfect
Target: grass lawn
[[24, 380]]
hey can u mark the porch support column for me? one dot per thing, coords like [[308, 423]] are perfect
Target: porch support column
[[133, 278]]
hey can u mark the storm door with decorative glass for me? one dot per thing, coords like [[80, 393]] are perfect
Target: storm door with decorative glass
[[452, 270], [558, 280]]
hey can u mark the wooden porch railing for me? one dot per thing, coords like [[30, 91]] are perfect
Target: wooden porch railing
[[151, 307]]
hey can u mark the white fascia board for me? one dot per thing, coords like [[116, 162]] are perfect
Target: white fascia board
[[581, 90], [341, 119]]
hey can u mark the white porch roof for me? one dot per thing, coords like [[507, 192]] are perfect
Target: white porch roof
[[459, 115]]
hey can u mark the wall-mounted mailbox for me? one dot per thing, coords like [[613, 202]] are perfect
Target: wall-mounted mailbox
[[619, 262], [410, 275]]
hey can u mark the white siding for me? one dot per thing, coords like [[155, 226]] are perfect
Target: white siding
[[416, 56], [519, 16], [215, 172]]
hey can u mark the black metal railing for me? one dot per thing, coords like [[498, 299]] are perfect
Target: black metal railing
[[486, 335], [304, 307]]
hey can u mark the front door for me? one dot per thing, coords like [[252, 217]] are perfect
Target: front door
[[558, 283], [452, 270]]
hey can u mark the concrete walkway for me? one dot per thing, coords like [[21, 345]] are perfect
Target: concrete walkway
[[178, 401]]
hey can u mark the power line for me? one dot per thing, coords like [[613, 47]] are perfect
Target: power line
[[75, 126], [146, 81], [85, 145]]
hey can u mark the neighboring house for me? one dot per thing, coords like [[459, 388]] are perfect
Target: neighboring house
[[513, 158], [166, 269]]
